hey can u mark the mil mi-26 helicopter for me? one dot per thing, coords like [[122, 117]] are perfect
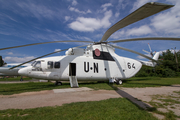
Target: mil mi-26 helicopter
[[98, 61]]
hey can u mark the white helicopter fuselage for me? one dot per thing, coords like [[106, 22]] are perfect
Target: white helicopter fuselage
[[96, 62]]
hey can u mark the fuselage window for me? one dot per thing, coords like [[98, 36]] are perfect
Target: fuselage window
[[37, 64], [50, 64], [57, 65]]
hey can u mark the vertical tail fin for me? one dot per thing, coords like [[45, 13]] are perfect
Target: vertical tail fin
[[156, 56], [150, 63]]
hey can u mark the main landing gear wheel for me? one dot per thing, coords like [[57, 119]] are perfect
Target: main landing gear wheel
[[119, 82], [58, 83]]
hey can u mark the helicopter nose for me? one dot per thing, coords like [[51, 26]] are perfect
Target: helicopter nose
[[23, 72]]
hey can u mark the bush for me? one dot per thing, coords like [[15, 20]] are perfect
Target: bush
[[142, 74], [168, 73]]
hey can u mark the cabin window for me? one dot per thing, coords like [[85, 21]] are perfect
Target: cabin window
[[37, 64], [50, 64], [57, 65]]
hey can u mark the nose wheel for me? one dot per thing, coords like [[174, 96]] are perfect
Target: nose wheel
[[58, 83]]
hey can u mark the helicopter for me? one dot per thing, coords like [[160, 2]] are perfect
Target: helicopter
[[98, 62]]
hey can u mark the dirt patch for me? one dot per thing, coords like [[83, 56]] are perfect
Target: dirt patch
[[49, 98], [165, 99]]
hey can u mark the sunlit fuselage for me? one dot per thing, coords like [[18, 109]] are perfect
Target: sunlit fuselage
[[97, 62]]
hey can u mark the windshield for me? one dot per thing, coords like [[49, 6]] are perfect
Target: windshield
[[36, 64], [33, 63]]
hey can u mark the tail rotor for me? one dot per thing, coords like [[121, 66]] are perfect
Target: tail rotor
[[151, 53]]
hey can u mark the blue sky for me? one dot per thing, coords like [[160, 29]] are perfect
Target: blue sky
[[31, 21]]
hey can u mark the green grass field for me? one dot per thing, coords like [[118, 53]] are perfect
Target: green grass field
[[8, 89], [111, 109], [14, 79]]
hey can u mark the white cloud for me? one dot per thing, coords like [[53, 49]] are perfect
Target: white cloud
[[67, 18], [168, 22], [74, 2], [117, 14], [138, 31], [88, 11], [36, 10], [10, 53], [142, 30], [31, 9], [78, 11], [118, 34], [17, 59], [105, 6], [90, 24]]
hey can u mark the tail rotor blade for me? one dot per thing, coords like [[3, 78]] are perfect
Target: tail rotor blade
[[146, 51], [150, 48]]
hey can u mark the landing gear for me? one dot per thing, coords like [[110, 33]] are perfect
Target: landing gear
[[58, 83], [119, 82], [21, 79]]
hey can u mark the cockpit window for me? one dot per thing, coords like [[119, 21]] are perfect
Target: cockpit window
[[50, 64], [37, 64], [57, 65], [33, 63]]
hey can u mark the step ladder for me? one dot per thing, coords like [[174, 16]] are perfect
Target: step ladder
[[73, 81]]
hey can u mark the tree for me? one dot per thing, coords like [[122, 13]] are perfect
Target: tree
[[167, 67], [169, 60], [1, 61]]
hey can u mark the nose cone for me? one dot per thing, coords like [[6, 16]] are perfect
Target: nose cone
[[23, 71]]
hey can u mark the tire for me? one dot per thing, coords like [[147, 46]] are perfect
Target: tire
[[58, 83], [119, 82]]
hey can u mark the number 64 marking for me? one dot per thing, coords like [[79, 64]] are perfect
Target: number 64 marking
[[129, 65]]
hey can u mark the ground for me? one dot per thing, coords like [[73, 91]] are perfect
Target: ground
[[166, 99]]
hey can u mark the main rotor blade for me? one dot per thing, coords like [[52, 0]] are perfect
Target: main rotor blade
[[44, 43], [143, 12], [149, 38], [134, 52], [45, 56]]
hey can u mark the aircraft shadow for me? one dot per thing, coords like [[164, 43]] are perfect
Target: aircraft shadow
[[133, 100]]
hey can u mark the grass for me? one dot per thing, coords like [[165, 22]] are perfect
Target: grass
[[15, 79], [111, 109], [116, 108], [8, 89], [150, 82]]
